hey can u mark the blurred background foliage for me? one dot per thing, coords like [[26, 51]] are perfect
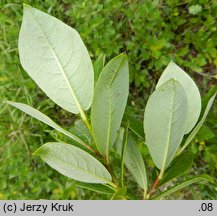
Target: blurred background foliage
[[151, 32]]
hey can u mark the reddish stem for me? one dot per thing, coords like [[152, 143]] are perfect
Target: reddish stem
[[154, 186]]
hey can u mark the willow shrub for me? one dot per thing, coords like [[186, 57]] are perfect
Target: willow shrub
[[55, 57]]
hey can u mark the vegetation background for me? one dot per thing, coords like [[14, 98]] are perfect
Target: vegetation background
[[152, 32]]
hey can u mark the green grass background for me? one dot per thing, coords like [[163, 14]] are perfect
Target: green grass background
[[152, 33]]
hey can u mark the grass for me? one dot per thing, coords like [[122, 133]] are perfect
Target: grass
[[111, 29]]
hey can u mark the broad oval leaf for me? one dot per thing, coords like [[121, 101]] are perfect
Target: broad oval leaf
[[109, 102], [165, 121], [55, 57], [45, 119], [132, 159], [73, 163], [191, 91]]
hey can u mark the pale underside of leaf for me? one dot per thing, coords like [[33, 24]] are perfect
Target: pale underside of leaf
[[135, 164], [133, 159], [199, 125], [109, 102], [55, 57], [165, 121], [98, 66], [73, 163], [173, 71], [45, 119]]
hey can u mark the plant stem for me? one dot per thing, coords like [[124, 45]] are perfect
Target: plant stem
[[181, 150], [144, 194], [154, 186], [107, 158], [85, 120], [110, 169], [92, 150], [113, 185]]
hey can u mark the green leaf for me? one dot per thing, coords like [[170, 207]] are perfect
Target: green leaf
[[207, 97], [45, 119], [199, 125], [164, 122], [133, 159], [123, 153], [135, 125], [80, 130], [191, 91], [195, 9], [204, 134], [197, 179], [178, 167], [98, 66], [73, 163], [100, 188], [55, 57], [109, 102], [120, 194]]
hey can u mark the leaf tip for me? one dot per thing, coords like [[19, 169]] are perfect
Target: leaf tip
[[6, 102], [37, 152], [25, 6], [123, 55]]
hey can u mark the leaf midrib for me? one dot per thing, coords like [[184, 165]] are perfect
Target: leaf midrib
[[140, 171], [59, 64], [110, 109], [169, 132], [76, 167]]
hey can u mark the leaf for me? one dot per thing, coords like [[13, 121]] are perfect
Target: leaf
[[178, 167], [204, 134], [80, 130], [207, 97], [133, 159], [164, 122], [135, 125], [191, 91], [100, 188], [73, 162], [109, 102], [199, 179], [45, 119], [199, 125], [120, 194], [54, 56], [98, 66], [123, 153]]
